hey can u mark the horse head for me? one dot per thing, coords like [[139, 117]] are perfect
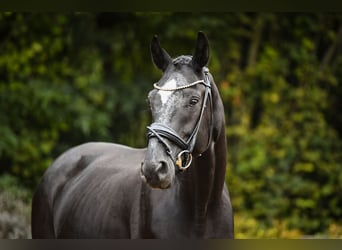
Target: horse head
[[181, 106]]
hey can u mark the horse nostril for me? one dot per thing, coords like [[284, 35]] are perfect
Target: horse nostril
[[141, 167], [162, 168]]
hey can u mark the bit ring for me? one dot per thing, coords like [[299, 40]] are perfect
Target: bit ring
[[179, 161]]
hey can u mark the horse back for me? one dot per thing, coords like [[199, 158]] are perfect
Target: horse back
[[85, 188]]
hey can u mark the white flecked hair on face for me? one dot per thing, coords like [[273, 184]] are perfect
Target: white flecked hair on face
[[167, 98]]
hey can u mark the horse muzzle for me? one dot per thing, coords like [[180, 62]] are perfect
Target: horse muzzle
[[156, 174]]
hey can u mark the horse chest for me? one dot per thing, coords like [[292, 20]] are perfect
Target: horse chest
[[167, 216], [170, 216]]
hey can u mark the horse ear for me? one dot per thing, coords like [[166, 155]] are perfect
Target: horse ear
[[159, 56], [201, 54]]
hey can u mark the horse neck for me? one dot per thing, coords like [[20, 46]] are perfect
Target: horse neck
[[220, 146], [208, 171]]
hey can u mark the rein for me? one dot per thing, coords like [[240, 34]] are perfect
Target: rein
[[161, 131]]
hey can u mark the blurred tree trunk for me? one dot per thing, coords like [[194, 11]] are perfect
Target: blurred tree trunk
[[331, 51], [256, 37]]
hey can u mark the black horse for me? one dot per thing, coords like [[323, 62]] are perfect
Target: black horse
[[173, 189]]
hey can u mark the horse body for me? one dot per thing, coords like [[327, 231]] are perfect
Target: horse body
[[105, 190], [89, 192], [90, 197]]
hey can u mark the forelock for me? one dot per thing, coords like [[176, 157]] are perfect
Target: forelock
[[184, 60]]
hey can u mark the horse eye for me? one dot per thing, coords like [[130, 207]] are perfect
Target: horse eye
[[194, 101]]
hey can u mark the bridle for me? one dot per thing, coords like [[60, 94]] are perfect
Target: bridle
[[161, 131]]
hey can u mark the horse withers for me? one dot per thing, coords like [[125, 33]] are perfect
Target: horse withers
[[174, 188]]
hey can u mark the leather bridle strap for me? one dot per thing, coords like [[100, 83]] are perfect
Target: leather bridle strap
[[192, 139], [162, 131]]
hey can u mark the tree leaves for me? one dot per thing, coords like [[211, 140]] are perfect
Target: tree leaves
[[283, 157]]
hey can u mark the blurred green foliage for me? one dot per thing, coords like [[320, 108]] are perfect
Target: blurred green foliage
[[15, 208], [70, 78]]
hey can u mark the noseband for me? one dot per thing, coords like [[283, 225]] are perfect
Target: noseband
[[161, 131]]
